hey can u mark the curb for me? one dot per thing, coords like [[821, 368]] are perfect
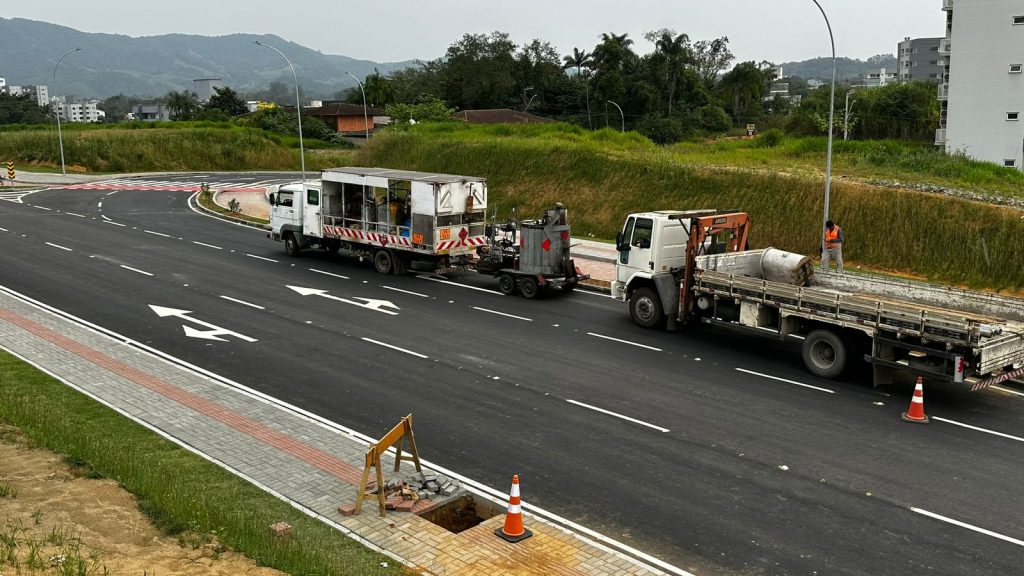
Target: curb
[[228, 218]]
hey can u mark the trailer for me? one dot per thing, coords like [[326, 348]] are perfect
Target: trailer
[[393, 217], [531, 256], [680, 268]]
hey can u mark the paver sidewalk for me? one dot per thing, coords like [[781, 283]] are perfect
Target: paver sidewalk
[[311, 463]]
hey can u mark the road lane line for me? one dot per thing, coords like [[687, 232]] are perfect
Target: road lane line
[[583, 290], [1000, 388], [405, 291], [968, 526], [261, 258], [58, 246], [786, 381], [43, 208], [100, 205], [624, 341], [617, 415], [114, 223], [4, 230], [502, 314], [386, 345], [432, 279], [76, 214], [328, 274], [112, 192], [135, 270], [243, 302], [993, 432], [207, 245], [157, 233]]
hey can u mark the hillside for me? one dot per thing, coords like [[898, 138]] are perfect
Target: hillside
[[111, 64], [846, 68]]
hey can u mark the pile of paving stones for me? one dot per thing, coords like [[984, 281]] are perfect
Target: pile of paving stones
[[411, 493]]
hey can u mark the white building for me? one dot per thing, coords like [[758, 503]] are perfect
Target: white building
[[982, 95], [79, 111], [918, 59], [38, 93], [204, 87], [880, 78]]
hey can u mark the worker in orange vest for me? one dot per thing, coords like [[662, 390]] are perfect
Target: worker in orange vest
[[833, 247]]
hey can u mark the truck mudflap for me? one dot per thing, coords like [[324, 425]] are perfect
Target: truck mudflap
[[978, 384], [668, 291]]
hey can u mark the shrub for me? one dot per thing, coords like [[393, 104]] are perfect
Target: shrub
[[770, 138]]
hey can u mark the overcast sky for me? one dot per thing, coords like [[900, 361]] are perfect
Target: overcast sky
[[392, 30]]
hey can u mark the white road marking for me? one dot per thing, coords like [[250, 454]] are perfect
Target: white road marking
[[624, 341], [993, 432], [114, 223], [1000, 388], [786, 381], [58, 246], [112, 192], [43, 208], [610, 413], [157, 233], [432, 279], [75, 214], [328, 274], [261, 258], [100, 204], [135, 270], [592, 293], [968, 526], [105, 217], [207, 245], [4, 230], [502, 314], [243, 302], [410, 352], [405, 291]]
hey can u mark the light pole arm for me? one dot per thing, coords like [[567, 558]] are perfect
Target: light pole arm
[[366, 121], [622, 116], [298, 108]]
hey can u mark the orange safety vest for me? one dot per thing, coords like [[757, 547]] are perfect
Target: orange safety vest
[[832, 236]]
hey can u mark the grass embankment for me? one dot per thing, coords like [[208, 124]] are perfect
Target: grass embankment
[[181, 492], [604, 175], [171, 146]]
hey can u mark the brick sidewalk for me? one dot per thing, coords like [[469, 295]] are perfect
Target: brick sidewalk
[[280, 449]]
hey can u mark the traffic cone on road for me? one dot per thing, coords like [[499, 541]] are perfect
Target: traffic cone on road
[[513, 530], [916, 411]]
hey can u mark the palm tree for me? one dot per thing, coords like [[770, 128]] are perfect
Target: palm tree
[[379, 91], [677, 53], [183, 105], [579, 59], [743, 84]]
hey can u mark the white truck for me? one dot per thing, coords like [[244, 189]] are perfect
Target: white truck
[[686, 267], [393, 217]]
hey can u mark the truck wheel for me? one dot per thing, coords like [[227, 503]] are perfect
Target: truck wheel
[[645, 308], [506, 284], [528, 287], [383, 262], [291, 245], [824, 353]]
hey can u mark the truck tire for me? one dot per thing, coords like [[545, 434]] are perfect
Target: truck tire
[[824, 353], [645, 308], [383, 262], [528, 287], [291, 245], [506, 284]]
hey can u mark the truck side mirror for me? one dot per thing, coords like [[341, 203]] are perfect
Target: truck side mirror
[[273, 199], [619, 244]]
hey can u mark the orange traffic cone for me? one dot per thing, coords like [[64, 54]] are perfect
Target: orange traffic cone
[[513, 530], [916, 411]]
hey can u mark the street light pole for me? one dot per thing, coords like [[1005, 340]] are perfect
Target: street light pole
[[846, 114], [298, 108], [621, 115], [366, 122], [831, 116], [530, 102], [60, 137]]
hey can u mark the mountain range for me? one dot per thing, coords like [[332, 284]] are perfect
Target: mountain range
[[111, 64]]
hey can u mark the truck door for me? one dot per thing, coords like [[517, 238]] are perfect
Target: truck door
[[286, 209], [635, 252], [311, 224]]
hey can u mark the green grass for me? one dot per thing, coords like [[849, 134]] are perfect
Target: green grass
[[184, 493], [940, 238], [206, 201]]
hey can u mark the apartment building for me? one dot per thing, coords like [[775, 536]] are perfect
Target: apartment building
[[40, 94], [918, 59], [982, 94], [79, 111]]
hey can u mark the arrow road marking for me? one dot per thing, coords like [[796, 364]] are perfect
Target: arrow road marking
[[369, 303], [214, 332]]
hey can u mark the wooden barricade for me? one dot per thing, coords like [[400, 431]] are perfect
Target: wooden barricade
[[397, 434]]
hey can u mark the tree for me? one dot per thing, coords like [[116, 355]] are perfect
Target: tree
[[479, 71], [379, 91], [183, 105], [580, 59], [673, 53], [710, 58], [427, 109], [742, 86], [225, 100]]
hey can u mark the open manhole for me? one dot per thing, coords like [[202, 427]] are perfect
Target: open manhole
[[462, 513]]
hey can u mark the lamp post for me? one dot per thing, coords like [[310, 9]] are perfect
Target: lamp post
[[366, 121], [622, 116], [846, 114], [831, 116], [60, 137], [530, 102], [298, 108]]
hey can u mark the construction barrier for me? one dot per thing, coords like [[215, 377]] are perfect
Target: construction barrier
[[397, 434]]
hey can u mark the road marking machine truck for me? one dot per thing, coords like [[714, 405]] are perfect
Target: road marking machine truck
[[679, 268], [393, 217]]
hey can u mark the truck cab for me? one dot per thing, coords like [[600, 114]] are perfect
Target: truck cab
[[294, 208], [650, 243]]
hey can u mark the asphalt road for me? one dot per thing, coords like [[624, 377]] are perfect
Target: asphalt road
[[712, 450]]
